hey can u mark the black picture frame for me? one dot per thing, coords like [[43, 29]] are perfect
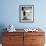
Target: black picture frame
[[26, 13]]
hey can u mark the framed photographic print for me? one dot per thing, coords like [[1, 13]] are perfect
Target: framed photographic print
[[26, 13]]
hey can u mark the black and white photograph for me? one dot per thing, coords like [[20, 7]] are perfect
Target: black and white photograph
[[26, 13]]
